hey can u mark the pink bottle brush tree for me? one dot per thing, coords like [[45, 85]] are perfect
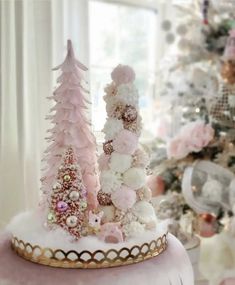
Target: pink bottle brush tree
[[68, 200], [71, 128]]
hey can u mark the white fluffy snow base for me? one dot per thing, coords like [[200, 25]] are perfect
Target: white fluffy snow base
[[29, 227]]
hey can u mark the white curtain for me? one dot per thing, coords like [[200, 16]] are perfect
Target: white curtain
[[33, 36]]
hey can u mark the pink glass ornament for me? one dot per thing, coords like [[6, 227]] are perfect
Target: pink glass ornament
[[207, 225], [61, 206], [156, 184]]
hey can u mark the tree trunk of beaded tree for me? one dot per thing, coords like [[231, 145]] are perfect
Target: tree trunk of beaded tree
[[68, 201], [124, 197], [71, 129]]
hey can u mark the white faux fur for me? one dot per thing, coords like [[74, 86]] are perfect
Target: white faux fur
[[29, 227]]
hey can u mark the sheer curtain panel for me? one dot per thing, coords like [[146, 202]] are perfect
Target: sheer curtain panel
[[33, 36]]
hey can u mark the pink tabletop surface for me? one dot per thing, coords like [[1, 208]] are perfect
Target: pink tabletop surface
[[170, 268]]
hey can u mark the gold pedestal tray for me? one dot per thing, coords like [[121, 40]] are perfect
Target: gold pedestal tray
[[87, 259]]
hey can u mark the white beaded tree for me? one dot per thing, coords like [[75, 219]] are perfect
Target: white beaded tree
[[123, 163]]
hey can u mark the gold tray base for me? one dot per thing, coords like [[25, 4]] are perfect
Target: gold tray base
[[87, 259]]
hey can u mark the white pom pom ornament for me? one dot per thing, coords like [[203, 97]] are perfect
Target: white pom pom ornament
[[124, 198], [120, 162], [134, 229], [110, 181], [134, 178], [144, 211], [111, 128], [212, 190]]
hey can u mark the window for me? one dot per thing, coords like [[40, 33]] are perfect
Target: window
[[121, 34]]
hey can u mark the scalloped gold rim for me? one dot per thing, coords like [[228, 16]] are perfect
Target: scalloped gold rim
[[110, 258]]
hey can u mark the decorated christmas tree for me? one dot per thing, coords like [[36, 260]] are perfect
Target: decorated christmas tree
[[71, 130], [191, 66], [124, 197], [68, 201], [198, 86], [83, 219], [210, 145]]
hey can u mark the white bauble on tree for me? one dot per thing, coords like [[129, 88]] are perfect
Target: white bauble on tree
[[120, 162], [134, 177], [144, 211], [212, 190]]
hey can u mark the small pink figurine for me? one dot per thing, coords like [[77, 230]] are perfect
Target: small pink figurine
[[95, 221], [109, 232]]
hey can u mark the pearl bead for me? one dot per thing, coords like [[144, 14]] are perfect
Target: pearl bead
[[51, 217], [74, 195], [73, 167], [57, 186], [61, 206], [83, 205], [72, 221], [67, 178]]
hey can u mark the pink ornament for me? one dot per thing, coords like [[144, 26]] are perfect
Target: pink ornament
[[123, 74], [110, 233], [229, 52], [228, 281], [126, 142], [61, 206], [124, 198], [177, 149], [156, 184], [193, 137], [207, 225], [197, 135]]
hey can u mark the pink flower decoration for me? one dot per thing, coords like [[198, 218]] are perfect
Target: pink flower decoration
[[124, 198], [123, 74], [177, 149], [199, 135], [193, 137], [126, 142], [232, 33], [103, 162]]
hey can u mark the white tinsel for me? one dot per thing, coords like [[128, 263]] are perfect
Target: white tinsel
[[134, 229], [110, 102], [144, 211], [110, 181], [111, 128], [128, 94], [120, 162], [135, 178], [212, 190]]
